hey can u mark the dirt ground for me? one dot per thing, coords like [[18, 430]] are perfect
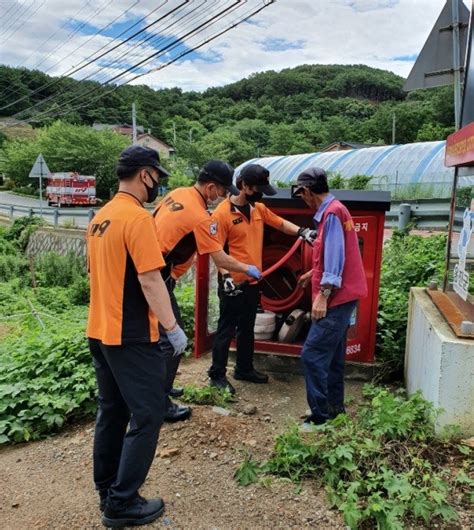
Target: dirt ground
[[48, 484]]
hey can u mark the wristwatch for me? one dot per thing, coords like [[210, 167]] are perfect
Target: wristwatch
[[326, 292]]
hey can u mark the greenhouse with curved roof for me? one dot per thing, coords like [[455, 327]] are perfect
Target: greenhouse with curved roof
[[416, 168]]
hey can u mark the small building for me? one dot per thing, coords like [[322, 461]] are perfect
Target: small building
[[345, 146], [145, 139], [148, 140]]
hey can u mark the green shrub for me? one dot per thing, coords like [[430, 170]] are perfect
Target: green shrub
[[186, 301], [13, 267], [408, 261], [20, 231], [358, 182], [383, 469], [206, 395], [79, 290], [336, 182], [46, 378], [53, 270]]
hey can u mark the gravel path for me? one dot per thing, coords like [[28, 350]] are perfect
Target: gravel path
[[48, 484]]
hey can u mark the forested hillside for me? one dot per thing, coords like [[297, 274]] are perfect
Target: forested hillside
[[293, 111]]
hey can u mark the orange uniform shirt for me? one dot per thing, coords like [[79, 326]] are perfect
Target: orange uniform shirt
[[121, 243], [184, 226], [243, 237]]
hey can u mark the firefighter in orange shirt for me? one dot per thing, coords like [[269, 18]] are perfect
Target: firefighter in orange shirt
[[241, 221], [127, 297], [184, 227]]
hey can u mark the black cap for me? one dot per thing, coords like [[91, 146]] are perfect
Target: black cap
[[313, 177], [139, 156], [257, 175], [219, 172]]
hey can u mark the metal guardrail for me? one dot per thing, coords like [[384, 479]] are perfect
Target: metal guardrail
[[426, 213], [51, 215]]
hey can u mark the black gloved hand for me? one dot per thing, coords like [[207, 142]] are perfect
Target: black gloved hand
[[307, 234], [228, 286]]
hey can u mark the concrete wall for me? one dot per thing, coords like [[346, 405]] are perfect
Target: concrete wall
[[61, 241], [439, 364]]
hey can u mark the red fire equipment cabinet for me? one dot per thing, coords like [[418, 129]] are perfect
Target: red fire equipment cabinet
[[285, 258]]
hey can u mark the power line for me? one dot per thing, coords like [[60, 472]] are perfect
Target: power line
[[249, 14], [152, 56], [94, 59], [98, 32], [17, 13], [78, 28], [154, 40], [22, 22]]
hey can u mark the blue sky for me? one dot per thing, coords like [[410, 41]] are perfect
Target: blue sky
[[384, 34]]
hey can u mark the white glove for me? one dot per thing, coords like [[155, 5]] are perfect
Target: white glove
[[307, 235], [178, 340]]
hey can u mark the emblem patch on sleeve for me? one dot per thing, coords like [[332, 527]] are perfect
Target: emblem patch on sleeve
[[213, 229]]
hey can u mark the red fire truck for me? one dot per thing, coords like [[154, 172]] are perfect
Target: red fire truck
[[70, 189]]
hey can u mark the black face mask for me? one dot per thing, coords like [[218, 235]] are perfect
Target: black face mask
[[152, 191], [254, 197]]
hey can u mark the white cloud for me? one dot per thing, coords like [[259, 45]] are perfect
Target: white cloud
[[371, 32]]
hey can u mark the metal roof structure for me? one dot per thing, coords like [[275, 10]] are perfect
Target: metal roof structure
[[389, 165]]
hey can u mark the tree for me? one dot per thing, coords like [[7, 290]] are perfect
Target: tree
[[66, 147]]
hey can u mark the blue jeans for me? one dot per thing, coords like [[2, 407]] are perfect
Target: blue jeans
[[323, 357]]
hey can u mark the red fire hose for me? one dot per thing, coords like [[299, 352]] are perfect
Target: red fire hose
[[292, 265]]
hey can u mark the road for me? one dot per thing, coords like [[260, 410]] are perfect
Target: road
[[67, 216]]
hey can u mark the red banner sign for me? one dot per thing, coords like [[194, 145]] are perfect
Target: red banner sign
[[460, 147]]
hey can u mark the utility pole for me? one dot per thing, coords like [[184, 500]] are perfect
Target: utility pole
[[174, 135], [134, 124], [190, 136], [456, 64], [394, 127], [41, 187]]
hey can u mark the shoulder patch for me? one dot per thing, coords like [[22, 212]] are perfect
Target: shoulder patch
[[213, 228]]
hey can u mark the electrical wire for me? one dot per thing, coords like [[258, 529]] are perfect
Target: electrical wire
[[15, 16], [169, 46], [23, 22], [78, 28], [250, 13], [234, 24], [154, 40], [94, 59]]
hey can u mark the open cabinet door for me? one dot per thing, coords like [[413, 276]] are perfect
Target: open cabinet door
[[206, 313]]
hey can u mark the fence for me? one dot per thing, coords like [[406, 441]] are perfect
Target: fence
[[79, 217]]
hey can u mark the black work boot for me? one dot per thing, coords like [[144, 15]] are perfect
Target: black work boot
[[335, 410], [176, 392], [177, 413], [222, 383], [139, 511], [254, 376]]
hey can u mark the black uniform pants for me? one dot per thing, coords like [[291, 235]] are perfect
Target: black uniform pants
[[130, 379], [164, 345], [237, 313]]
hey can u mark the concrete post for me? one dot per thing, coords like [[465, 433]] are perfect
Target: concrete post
[[404, 215], [12, 209]]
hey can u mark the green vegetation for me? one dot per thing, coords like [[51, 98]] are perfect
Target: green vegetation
[[408, 261], [382, 469], [46, 371], [294, 111], [206, 395], [46, 376]]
